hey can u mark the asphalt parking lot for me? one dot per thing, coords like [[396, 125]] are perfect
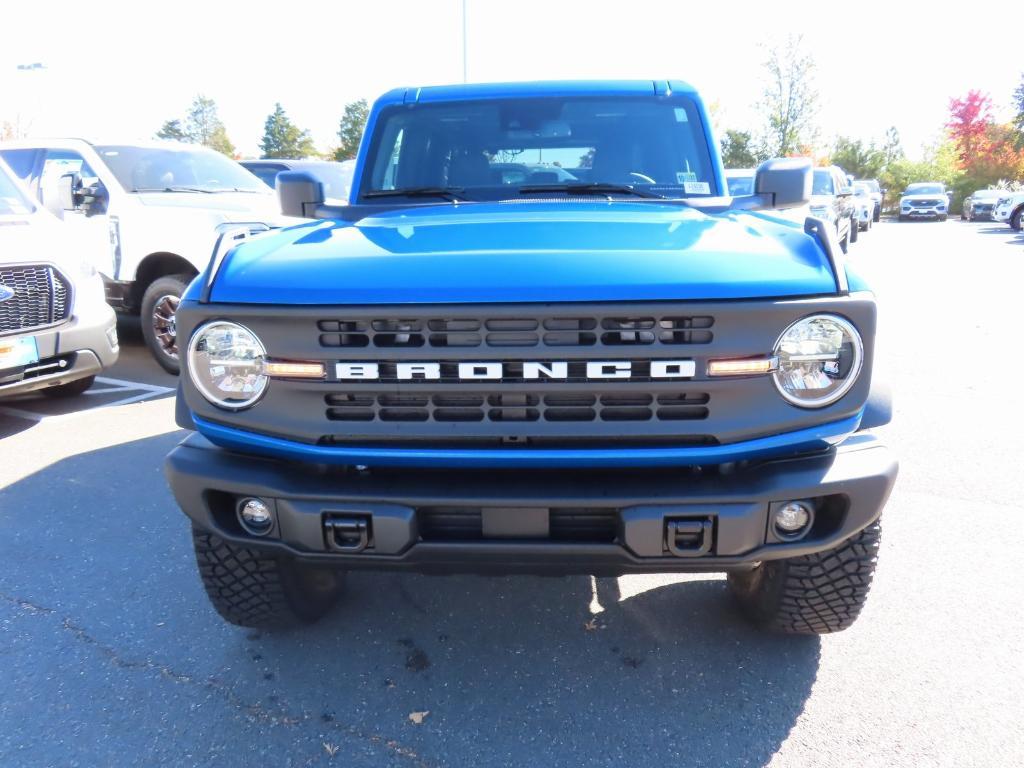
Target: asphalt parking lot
[[110, 654]]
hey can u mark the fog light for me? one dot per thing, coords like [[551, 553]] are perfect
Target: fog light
[[792, 519], [255, 517]]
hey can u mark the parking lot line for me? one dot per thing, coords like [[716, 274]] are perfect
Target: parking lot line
[[145, 392]]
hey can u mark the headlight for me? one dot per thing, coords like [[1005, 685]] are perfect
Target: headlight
[[822, 212], [820, 358], [225, 362]]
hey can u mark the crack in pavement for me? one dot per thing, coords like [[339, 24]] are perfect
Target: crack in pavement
[[255, 711]]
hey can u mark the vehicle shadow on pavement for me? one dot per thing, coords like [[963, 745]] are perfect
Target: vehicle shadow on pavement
[[512, 671]]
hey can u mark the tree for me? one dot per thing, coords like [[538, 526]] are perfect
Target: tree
[[171, 129], [969, 119], [790, 99], [203, 126], [892, 150], [350, 130], [282, 138], [1018, 121], [739, 151], [863, 162]]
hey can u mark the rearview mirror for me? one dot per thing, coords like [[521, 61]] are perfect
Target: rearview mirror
[[300, 193], [786, 180]]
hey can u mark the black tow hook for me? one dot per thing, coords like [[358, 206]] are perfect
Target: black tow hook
[[346, 534]]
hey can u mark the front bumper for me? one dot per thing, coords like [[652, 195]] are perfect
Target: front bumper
[[538, 521], [83, 346], [923, 213]]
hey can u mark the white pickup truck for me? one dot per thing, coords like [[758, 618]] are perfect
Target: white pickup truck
[[1010, 208], [56, 332], [148, 213]]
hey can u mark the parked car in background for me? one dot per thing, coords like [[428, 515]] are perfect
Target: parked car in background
[[740, 181], [927, 200], [979, 205], [1009, 208], [148, 213], [865, 204], [336, 177], [56, 330], [877, 194], [832, 200]]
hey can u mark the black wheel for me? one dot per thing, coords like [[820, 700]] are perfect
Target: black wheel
[[159, 303], [877, 216], [249, 588], [854, 229], [902, 217], [844, 244], [71, 389], [942, 218], [1015, 219], [813, 594]]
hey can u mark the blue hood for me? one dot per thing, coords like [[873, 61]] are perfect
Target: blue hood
[[535, 251]]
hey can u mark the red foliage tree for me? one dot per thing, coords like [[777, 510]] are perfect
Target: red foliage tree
[[970, 119]]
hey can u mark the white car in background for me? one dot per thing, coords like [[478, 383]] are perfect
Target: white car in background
[[924, 200], [864, 199], [149, 213], [56, 330], [1010, 208]]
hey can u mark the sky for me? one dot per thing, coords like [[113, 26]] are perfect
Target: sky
[[117, 70]]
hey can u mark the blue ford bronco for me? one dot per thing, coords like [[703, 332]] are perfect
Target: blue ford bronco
[[541, 338]]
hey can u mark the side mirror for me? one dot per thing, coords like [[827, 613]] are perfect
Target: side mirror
[[300, 193], [68, 191], [786, 181]]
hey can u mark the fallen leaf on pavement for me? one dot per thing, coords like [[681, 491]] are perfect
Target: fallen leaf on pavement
[[417, 718]]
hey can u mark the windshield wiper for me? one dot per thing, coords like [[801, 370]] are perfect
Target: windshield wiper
[[447, 193], [175, 189], [595, 188]]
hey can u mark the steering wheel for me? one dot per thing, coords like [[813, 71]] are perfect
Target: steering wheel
[[642, 177]]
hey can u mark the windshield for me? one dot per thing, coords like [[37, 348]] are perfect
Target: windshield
[[189, 168], [987, 194], [823, 184], [861, 190], [925, 189], [872, 185], [13, 201], [491, 150], [740, 185]]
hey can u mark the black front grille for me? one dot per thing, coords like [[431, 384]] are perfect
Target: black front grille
[[443, 332], [924, 203], [40, 297], [517, 406], [566, 524]]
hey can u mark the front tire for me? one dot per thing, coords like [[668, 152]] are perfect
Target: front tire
[[854, 229], [71, 389], [1015, 219], [813, 594], [250, 588], [159, 305]]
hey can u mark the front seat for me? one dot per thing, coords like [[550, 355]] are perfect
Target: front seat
[[469, 169]]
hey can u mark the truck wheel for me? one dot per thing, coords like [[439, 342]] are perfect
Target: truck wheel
[[814, 594], [1015, 219], [253, 589], [854, 229], [71, 389], [877, 215], [159, 303]]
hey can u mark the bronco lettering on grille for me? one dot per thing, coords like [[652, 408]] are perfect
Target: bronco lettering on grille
[[480, 371]]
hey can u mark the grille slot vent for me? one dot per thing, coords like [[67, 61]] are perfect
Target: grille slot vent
[[41, 297], [442, 332], [516, 407]]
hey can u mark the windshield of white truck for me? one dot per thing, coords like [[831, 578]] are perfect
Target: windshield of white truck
[[170, 169], [561, 146]]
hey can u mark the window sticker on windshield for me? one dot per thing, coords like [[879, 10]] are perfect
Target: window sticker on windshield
[[681, 116], [696, 188], [684, 176]]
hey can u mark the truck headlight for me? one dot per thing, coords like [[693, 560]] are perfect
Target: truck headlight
[[820, 358], [226, 364]]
